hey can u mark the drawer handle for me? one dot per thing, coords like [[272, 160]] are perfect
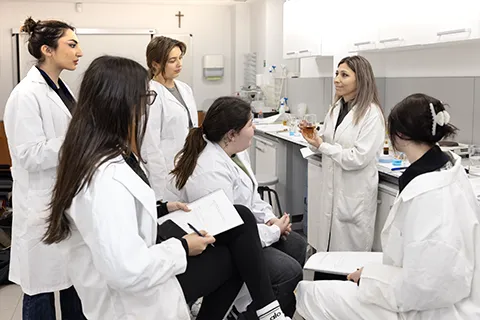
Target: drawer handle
[[290, 53], [260, 149], [448, 32], [362, 43], [390, 40], [303, 51]]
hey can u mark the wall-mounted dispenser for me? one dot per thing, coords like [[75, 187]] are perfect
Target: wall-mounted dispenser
[[213, 67]]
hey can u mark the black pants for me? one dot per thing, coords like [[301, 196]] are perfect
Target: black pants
[[218, 273]]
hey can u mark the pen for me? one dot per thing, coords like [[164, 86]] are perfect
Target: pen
[[198, 232], [399, 168]]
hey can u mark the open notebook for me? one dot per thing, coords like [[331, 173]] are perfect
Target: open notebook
[[342, 263], [213, 213]]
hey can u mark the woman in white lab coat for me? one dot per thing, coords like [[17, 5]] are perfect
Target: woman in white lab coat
[[36, 118], [104, 217], [431, 239], [215, 157], [172, 115], [350, 142]]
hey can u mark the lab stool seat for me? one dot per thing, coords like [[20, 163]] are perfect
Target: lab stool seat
[[264, 181]]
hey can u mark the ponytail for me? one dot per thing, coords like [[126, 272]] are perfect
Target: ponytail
[[186, 159]]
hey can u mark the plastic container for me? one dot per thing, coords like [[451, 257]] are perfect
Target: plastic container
[[397, 162]]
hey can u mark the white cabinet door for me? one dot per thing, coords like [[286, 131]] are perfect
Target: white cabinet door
[[397, 25], [265, 157], [291, 29], [363, 21], [386, 197], [301, 29], [314, 185]]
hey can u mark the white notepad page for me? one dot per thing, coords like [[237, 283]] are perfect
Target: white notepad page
[[213, 213]]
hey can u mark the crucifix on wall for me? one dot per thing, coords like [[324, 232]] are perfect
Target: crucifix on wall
[[179, 15]]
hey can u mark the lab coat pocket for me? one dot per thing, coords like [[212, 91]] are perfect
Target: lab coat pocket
[[349, 209]]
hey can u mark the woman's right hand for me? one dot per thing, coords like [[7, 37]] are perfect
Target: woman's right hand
[[197, 244]]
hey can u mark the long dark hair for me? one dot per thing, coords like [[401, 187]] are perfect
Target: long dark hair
[[225, 114], [46, 32], [111, 110], [412, 119]]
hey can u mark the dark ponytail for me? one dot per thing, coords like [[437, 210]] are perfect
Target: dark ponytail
[[186, 159], [41, 33], [225, 114]]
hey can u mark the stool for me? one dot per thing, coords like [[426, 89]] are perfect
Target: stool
[[264, 182]]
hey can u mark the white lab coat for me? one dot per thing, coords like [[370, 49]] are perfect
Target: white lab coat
[[36, 121], [431, 259], [116, 267], [167, 130], [350, 180], [215, 170]]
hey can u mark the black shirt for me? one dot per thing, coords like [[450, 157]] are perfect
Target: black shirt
[[62, 91], [344, 110], [433, 160]]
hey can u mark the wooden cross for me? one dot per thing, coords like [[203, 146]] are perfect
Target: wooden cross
[[179, 15]]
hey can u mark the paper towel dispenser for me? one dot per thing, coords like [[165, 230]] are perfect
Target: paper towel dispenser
[[213, 66]]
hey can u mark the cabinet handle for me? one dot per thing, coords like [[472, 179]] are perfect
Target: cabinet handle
[[260, 149], [303, 51], [390, 40], [290, 53], [448, 32], [362, 43], [264, 142]]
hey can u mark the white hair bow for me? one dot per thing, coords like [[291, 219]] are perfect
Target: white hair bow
[[442, 118]]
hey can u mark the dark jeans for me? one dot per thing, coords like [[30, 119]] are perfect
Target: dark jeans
[[218, 273], [42, 306], [285, 260]]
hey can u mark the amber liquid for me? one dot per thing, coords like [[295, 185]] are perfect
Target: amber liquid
[[309, 131]]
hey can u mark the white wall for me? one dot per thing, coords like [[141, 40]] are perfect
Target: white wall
[[266, 34], [240, 40], [211, 26]]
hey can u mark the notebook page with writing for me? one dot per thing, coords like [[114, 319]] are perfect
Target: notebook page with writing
[[213, 213]]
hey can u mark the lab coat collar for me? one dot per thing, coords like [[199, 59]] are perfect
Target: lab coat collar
[[431, 181], [233, 165], [35, 76], [135, 185]]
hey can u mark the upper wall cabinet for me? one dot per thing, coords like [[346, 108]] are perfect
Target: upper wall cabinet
[[300, 30], [325, 28]]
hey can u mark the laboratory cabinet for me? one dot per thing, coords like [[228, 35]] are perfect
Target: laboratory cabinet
[[314, 182], [307, 29], [387, 193], [320, 28]]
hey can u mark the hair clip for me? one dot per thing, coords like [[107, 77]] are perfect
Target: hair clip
[[442, 118]]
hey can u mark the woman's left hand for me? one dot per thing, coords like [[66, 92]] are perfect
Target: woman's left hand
[[355, 276], [173, 206]]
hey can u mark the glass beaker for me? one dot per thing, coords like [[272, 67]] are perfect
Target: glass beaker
[[308, 125]]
